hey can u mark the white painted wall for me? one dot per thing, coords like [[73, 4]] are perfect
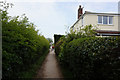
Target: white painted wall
[[78, 25], [119, 22], [93, 20]]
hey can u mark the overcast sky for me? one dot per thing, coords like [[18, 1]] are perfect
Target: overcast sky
[[55, 17]]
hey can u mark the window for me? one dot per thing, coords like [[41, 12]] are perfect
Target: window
[[105, 20], [100, 19], [110, 20]]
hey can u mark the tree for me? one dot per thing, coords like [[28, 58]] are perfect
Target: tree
[[50, 40]]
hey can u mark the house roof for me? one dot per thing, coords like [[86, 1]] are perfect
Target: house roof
[[88, 12], [107, 33]]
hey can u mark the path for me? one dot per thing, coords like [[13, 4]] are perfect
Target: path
[[50, 67]]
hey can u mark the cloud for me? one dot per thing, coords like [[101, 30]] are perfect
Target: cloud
[[44, 15], [100, 7], [63, 0]]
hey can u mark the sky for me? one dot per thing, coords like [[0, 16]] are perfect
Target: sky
[[56, 17]]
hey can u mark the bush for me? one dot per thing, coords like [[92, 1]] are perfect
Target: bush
[[21, 45], [58, 47], [92, 58], [89, 57]]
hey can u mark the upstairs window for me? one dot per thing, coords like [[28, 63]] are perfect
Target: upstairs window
[[100, 19], [110, 20], [105, 20]]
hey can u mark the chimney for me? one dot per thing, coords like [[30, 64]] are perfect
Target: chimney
[[80, 11]]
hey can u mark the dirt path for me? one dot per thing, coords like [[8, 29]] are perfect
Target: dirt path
[[50, 67]]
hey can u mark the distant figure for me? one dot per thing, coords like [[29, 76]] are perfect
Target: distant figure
[[53, 48]]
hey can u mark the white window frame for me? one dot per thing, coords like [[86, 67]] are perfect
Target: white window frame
[[98, 20], [107, 20]]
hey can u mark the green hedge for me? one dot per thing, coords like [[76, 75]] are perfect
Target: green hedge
[[57, 37], [58, 46], [92, 57], [21, 45]]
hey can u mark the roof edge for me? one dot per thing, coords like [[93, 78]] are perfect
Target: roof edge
[[88, 12]]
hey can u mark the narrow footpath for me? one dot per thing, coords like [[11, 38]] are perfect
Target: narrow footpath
[[50, 67]]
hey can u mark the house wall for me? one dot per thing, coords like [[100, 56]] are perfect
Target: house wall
[[78, 25], [90, 19], [119, 22], [93, 20]]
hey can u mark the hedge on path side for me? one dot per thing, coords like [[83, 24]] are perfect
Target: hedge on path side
[[92, 57], [21, 44]]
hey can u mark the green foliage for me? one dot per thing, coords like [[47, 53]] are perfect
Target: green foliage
[[31, 73], [21, 45], [88, 31], [58, 46], [93, 58], [89, 57], [50, 40], [56, 38]]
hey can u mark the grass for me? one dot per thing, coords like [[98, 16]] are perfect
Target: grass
[[34, 67]]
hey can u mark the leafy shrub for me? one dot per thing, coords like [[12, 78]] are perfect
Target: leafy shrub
[[21, 45], [92, 58], [57, 37], [58, 46]]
